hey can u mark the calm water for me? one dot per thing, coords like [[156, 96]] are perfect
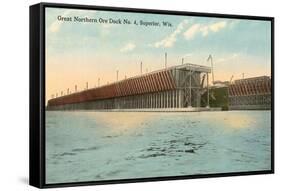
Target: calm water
[[89, 146]]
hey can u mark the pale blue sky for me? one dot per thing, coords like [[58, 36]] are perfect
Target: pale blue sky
[[87, 51]]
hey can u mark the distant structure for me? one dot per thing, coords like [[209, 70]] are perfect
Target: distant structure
[[218, 83], [250, 93], [173, 87]]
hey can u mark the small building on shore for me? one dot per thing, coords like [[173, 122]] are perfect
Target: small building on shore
[[250, 94]]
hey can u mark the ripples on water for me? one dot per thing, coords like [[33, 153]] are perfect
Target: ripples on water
[[89, 146]]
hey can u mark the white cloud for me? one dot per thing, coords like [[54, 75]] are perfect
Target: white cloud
[[187, 55], [106, 29], [192, 31], [228, 58], [172, 38], [233, 23], [55, 26], [204, 30], [215, 27], [128, 47]]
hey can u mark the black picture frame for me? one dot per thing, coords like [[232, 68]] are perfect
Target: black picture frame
[[37, 94]]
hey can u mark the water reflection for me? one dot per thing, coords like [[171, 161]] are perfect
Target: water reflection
[[237, 120], [122, 120]]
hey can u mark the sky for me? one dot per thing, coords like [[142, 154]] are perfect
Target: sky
[[80, 52]]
